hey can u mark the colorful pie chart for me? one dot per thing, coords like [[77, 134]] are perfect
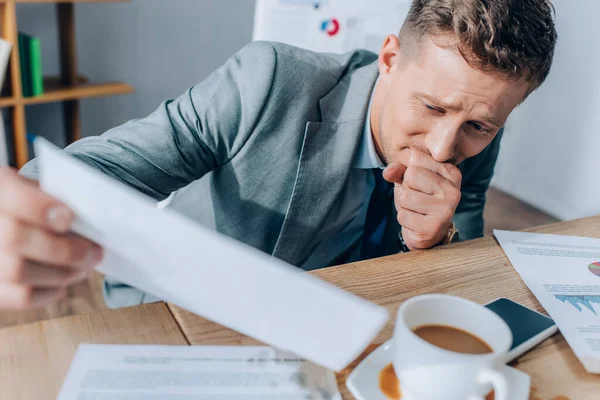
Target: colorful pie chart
[[331, 26], [595, 268]]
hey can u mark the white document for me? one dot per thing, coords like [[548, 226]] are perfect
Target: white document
[[563, 272], [148, 372], [207, 273]]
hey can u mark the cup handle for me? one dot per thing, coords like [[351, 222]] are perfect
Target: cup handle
[[498, 381]]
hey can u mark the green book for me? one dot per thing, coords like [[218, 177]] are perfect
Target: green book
[[24, 50], [35, 63]]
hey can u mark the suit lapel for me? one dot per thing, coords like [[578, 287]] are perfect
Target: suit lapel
[[325, 162]]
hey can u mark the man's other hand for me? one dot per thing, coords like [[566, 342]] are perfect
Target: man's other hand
[[39, 258]]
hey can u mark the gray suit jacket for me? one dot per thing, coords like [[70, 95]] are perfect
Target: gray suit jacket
[[263, 147]]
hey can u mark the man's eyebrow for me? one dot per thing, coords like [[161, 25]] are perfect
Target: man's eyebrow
[[494, 122], [455, 107]]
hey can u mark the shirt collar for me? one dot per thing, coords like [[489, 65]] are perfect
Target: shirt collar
[[367, 157]]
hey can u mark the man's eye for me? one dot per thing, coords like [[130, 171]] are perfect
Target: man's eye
[[434, 109], [477, 126]]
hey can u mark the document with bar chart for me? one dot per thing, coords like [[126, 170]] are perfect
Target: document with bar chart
[[563, 272]]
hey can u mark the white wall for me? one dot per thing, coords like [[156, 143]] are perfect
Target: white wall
[[550, 153], [160, 47]]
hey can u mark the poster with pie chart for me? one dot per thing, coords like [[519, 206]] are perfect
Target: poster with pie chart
[[332, 26], [595, 268]]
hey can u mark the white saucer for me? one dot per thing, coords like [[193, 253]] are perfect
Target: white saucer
[[363, 381]]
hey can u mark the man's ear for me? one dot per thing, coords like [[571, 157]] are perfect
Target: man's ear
[[389, 55]]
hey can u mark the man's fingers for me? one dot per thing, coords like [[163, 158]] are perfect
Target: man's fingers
[[425, 181], [415, 159], [47, 248], [23, 200], [394, 173], [16, 270], [412, 220], [414, 200], [42, 276], [17, 297], [425, 227], [446, 170], [419, 231], [66, 250]]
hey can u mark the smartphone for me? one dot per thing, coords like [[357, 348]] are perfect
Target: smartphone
[[529, 328]]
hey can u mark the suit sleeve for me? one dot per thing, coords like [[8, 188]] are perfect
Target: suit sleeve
[[189, 136], [477, 174]]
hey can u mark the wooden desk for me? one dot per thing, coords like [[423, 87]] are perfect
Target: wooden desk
[[34, 358], [477, 270]]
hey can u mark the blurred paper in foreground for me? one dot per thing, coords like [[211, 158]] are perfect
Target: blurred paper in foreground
[[207, 273]]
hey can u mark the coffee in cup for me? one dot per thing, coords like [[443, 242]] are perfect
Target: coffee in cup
[[452, 339], [446, 347]]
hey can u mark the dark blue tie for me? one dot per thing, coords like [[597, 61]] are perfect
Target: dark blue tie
[[373, 244]]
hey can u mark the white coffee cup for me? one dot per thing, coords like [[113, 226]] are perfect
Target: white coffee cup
[[428, 372]]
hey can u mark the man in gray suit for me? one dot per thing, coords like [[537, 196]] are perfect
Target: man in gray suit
[[317, 159]]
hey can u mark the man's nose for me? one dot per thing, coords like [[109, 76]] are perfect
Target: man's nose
[[442, 142]]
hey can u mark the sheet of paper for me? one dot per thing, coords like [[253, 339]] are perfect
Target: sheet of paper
[[125, 372], [563, 272], [207, 273]]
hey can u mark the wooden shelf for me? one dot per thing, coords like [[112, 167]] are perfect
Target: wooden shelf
[[59, 92], [79, 91], [7, 102], [49, 82], [67, 1]]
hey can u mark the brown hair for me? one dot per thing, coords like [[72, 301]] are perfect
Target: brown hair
[[515, 38]]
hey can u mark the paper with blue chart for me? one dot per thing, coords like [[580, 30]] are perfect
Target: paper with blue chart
[[335, 26], [563, 272]]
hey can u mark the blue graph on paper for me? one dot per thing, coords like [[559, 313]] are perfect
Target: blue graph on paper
[[580, 302]]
